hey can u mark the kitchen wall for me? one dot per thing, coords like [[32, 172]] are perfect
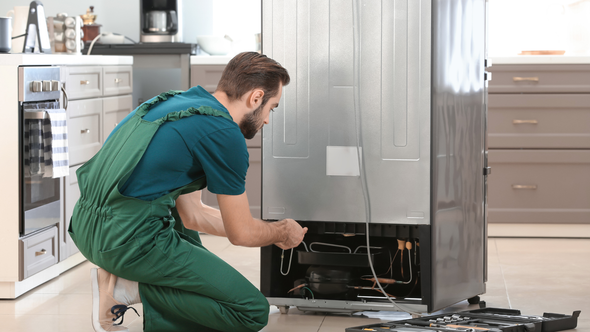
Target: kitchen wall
[[517, 25], [203, 17]]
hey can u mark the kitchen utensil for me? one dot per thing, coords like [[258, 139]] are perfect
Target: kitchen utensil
[[214, 45], [157, 21], [542, 52], [5, 33], [19, 16], [89, 17], [37, 36]]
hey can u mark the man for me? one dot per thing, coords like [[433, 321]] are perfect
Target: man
[[140, 207]]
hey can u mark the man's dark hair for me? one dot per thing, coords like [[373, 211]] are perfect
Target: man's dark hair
[[250, 70]]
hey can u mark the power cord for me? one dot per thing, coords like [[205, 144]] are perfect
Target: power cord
[[106, 34], [362, 171]]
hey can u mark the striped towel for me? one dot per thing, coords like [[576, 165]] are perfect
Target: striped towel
[[34, 154], [55, 137]]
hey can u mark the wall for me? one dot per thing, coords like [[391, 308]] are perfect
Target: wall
[[517, 25], [123, 16]]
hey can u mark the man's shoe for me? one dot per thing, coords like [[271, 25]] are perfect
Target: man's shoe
[[111, 297]]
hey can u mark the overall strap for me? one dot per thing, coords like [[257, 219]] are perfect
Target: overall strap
[[145, 107], [203, 110]]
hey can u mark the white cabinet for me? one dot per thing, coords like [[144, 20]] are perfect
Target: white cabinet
[[99, 98]]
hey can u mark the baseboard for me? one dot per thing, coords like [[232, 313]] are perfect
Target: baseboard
[[12, 290], [540, 230]]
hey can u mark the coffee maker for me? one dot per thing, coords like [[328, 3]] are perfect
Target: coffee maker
[[161, 21]]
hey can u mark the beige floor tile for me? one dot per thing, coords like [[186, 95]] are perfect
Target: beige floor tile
[[294, 321]]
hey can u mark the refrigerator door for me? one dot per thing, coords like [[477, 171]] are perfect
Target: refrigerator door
[[458, 150], [309, 151]]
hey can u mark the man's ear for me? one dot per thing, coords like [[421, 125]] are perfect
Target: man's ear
[[255, 99]]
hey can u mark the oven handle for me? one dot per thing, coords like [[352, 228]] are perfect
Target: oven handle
[[63, 89]]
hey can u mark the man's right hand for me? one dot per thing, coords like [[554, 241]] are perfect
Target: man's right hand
[[293, 234]]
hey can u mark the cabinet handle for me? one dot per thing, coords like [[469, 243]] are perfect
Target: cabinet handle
[[84, 82], [42, 252], [118, 80], [528, 79], [524, 186], [525, 121], [84, 131]]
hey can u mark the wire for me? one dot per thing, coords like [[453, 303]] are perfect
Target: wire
[[358, 127], [290, 260], [312, 297]]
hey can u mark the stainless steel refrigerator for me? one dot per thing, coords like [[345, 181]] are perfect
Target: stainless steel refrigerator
[[384, 121]]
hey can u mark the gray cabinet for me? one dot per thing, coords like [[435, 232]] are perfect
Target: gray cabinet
[[208, 76], [539, 144]]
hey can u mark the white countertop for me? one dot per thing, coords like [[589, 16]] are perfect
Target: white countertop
[[540, 59], [210, 59], [63, 59]]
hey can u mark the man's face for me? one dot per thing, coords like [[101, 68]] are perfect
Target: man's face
[[252, 122]]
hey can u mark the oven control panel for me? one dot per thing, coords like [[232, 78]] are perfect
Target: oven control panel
[[38, 83]]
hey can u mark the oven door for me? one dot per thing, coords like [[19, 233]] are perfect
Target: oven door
[[41, 196]]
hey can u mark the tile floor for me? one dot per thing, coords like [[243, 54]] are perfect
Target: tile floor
[[533, 275]]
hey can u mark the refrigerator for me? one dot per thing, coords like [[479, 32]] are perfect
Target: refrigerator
[[380, 137]]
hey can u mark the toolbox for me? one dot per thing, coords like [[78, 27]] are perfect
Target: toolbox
[[480, 320]]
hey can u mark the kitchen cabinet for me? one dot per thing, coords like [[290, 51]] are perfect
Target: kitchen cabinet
[[539, 144], [207, 76]]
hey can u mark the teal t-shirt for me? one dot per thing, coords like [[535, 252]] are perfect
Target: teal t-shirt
[[185, 150]]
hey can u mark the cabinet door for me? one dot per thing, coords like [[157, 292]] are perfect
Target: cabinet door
[[84, 82], [115, 109], [539, 186], [84, 129], [118, 80], [72, 194], [253, 185], [539, 121], [206, 76]]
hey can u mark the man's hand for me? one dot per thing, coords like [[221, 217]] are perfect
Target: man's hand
[[293, 232]]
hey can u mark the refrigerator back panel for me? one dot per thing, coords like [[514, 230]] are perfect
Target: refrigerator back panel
[[310, 157]]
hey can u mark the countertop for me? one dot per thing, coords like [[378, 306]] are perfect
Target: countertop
[[37, 59], [540, 59], [210, 59]]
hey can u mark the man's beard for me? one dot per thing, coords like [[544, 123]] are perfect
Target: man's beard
[[251, 123]]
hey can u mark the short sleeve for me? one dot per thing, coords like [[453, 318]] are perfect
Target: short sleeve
[[224, 157]]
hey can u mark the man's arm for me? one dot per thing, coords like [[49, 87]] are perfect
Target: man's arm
[[199, 217], [243, 230], [236, 222]]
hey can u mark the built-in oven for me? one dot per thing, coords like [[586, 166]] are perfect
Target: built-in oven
[[41, 196]]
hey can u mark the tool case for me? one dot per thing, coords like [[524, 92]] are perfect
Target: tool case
[[479, 320]]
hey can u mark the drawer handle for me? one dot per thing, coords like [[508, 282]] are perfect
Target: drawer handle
[[118, 80], [525, 121], [525, 79], [84, 131], [42, 252], [525, 186], [84, 82]]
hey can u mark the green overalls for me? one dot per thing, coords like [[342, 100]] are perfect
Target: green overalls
[[183, 287]]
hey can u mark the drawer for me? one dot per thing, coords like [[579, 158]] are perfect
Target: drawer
[[84, 82], [206, 76], [539, 121], [539, 186], [38, 251], [539, 79], [115, 110], [117, 80], [84, 129]]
